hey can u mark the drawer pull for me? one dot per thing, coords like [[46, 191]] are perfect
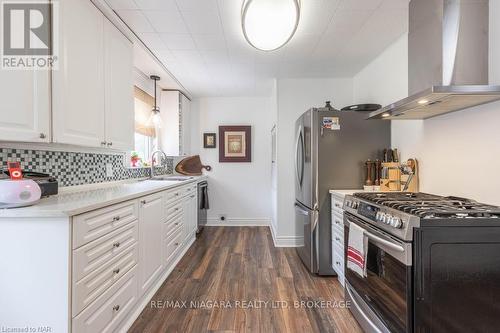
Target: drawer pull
[[338, 263], [116, 271], [176, 223], [189, 189], [192, 196], [176, 244], [117, 244], [116, 218], [143, 202], [176, 208], [116, 308], [337, 222], [176, 194], [337, 239]]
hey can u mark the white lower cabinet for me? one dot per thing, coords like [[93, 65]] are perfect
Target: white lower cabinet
[[150, 225], [123, 253], [337, 230]]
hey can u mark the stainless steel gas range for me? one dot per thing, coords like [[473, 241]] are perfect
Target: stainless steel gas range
[[433, 263]]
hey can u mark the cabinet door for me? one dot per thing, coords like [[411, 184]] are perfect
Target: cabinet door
[[119, 91], [194, 210], [24, 106], [150, 240], [78, 85]]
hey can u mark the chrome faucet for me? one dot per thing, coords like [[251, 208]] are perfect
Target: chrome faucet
[[153, 159]]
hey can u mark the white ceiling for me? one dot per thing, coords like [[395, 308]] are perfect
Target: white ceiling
[[201, 43]]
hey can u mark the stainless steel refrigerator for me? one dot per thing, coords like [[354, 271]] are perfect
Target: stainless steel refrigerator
[[331, 148]]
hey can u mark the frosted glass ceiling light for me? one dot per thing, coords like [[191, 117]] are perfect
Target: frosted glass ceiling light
[[269, 24]]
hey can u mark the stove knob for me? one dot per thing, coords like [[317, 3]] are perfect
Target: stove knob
[[355, 204], [396, 222], [388, 219], [377, 216]]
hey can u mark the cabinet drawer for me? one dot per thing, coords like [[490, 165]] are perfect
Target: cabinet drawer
[[337, 223], [93, 285], [101, 251], [174, 209], [170, 226], [172, 244], [337, 203], [338, 263], [173, 194], [190, 189], [107, 312], [92, 225]]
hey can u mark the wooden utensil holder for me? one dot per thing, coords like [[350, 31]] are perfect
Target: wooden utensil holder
[[393, 181]]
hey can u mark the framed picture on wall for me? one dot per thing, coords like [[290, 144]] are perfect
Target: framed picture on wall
[[235, 144], [209, 140]]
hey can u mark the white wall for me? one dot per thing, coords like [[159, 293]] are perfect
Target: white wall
[[241, 191], [459, 153], [295, 96]]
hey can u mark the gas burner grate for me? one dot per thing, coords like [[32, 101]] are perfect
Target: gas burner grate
[[430, 206]]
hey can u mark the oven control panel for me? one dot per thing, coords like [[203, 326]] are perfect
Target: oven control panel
[[374, 213]]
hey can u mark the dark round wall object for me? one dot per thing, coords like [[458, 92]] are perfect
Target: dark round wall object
[[362, 107]]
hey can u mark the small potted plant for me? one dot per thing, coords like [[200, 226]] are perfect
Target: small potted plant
[[134, 159]]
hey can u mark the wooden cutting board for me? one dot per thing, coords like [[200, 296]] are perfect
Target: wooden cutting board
[[191, 166]]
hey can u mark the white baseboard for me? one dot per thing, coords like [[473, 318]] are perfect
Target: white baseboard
[[286, 241], [238, 222], [146, 299]]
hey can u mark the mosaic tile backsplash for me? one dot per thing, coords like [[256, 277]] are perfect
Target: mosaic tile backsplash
[[73, 169]]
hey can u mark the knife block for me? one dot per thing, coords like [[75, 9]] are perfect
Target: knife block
[[393, 181]]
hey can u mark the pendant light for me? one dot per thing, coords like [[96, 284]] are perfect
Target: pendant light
[[155, 118], [269, 24]]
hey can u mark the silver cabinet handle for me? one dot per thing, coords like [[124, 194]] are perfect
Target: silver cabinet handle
[[176, 194], [42, 136], [110, 144], [338, 263], [116, 308], [117, 244], [143, 202], [103, 143], [176, 244], [116, 271], [192, 196], [176, 223], [116, 218], [176, 208], [337, 239]]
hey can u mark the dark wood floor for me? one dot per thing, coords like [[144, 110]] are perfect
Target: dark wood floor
[[231, 264]]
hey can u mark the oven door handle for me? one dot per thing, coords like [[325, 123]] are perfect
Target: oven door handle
[[368, 320], [380, 240], [391, 245]]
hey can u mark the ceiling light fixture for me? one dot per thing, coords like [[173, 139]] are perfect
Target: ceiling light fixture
[[155, 118], [269, 24]]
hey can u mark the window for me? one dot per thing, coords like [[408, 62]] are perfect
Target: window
[[145, 134]]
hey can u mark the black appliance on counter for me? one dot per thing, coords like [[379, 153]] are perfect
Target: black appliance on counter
[[48, 184], [433, 263]]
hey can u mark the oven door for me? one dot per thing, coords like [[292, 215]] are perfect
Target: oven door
[[381, 302]]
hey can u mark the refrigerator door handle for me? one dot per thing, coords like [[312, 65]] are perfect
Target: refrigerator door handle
[[299, 165], [301, 210]]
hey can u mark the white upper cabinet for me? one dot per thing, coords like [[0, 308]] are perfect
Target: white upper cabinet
[[24, 106], [175, 132], [119, 89], [93, 96], [78, 85]]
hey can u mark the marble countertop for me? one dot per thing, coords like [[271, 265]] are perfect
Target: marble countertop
[[346, 192], [70, 202]]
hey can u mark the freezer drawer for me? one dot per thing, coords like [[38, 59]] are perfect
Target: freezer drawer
[[308, 220]]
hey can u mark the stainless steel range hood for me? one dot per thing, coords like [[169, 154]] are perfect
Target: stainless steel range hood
[[447, 60]]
